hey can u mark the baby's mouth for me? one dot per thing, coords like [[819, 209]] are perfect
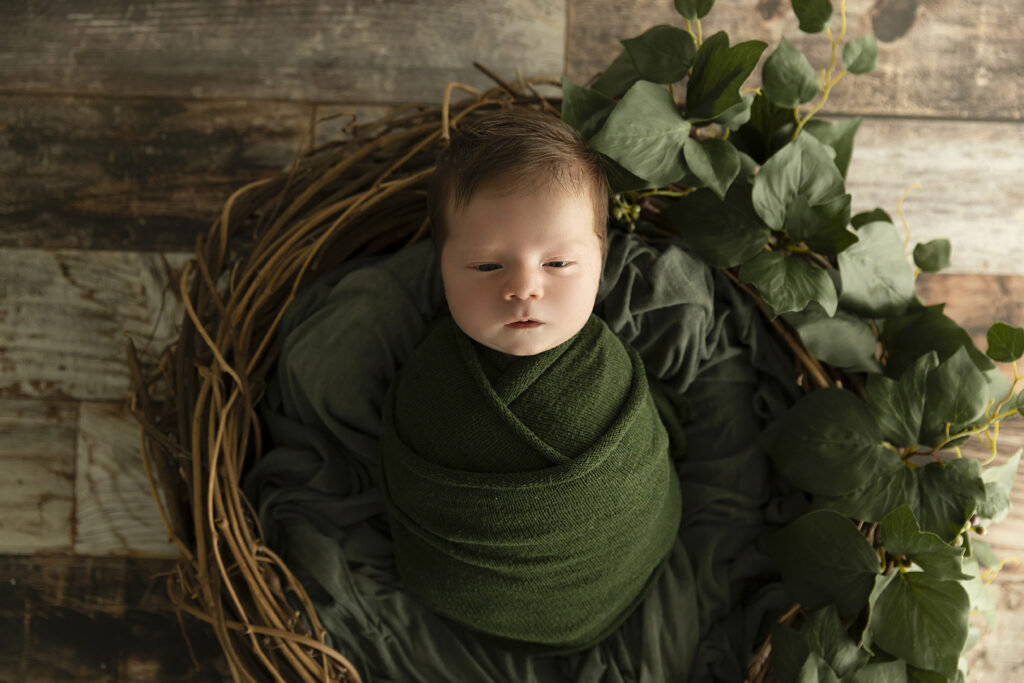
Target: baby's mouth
[[524, 323]]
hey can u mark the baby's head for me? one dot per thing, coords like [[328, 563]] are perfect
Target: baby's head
[[518, 213]]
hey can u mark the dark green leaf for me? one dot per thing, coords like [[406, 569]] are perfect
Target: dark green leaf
[[738, 114], [956, 392], [828, 443], [583, 109], [822, 226], [877, 280], [981, 597], [920, 330], [1005, 342], [714, 161], [825, 636], [804, 167], [839, 136], [923, 620], [645, 134], [622, 180], [824, 559], [814, 15], [768, 130], [865, 217], [788, 78], [882, 672], [843, 340], [874, 499], [998, 483], [859, 55], [983, 552], [789, 652], [902, 535], [619, 77], [899, 406], [948, 496], [694, 9], [932, 256], [718, 72], [788, 283], [1020, 402], [816, 670], [662, 54], [881, 582], [722, 234]]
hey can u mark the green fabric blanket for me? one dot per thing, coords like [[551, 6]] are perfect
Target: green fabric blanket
[[717, 376], [530, 498]]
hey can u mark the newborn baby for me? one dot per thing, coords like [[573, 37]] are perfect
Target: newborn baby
[[525, 468]]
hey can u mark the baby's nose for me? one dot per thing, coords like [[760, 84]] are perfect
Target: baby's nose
[[523, 284]]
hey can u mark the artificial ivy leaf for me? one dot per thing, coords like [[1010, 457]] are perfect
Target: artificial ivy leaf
[[767, 131], [1005, 342], [998, 484], [877, 280], [788, 78], [738, 114], [722, 233], [878, 496], [619, 77], [839, 136], [865, 217], [1020, 402], [814, 15], [956, 392], [923, 620], [882, 672], [803, 167], [584, 109], [713, 160], [933, 256], [982, 600], [825, 636], [859, 55], [915, 675], [899, 406], [718, 72], [843, 340], [881, 582], [645, 133], [821, 226], [948, 496], [788, 283], [816, 670], [789, 652], [824, 559], [902, 535], [908, 336], [662, 54], [694, 9], [622, 180], [983, 553], [828, 443]]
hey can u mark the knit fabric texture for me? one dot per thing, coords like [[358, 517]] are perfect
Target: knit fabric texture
[[533, 498]]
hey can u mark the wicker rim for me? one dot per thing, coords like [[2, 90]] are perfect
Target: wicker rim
[[196, 402]]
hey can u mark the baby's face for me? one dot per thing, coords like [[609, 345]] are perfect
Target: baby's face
[[521, 257]]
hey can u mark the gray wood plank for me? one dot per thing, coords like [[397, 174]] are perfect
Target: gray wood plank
[[936, 58], [287, 49]]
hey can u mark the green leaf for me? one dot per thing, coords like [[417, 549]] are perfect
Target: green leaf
[[882, 672], [814, 15], [998, 484], [828, 443], [1020, 402], [788, 78], [822, 226], [713, 160], [622, 180], [824, 636], [843, 340], [908, 336], [923, 620], [824, 559], [839, 136], [1005, 342], [881, 582], [816, 670], [956, 392], [645, 133], [876, 278], [583, 109], [859, 55], [981, 597], [737, 115], [663, 54], [768, 130], [902, 535], [983, 552], [932, 256], [899, 406], [865, 217], [788, 283], [722, 233], [804, 168], [619, 77], [718, 72], [694, 9]]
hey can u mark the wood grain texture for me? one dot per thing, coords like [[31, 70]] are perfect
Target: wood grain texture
[[310, 50], [936, 58], [97, 619]]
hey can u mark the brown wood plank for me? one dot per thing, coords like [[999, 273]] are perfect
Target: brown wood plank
[[937, 58], [92, 619], [295, 49]]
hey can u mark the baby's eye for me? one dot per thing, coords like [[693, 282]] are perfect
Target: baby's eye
[[487, 267], [554, 263]]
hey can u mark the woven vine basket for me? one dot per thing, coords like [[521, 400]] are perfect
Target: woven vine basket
[[358, 196]]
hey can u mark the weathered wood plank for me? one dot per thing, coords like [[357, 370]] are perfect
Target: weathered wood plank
[[37, 459], [140, 174], [935, 58], [115, 512], [97, 619], [998, 657], [288, 49]]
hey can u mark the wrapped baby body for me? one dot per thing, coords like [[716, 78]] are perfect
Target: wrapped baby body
[[530, 498]]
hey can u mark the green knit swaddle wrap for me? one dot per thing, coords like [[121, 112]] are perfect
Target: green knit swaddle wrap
[[530, 498]]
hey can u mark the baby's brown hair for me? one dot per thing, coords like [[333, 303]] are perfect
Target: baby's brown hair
[[525, 151]]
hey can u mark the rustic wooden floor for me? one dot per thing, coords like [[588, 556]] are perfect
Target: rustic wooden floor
[[124, 127]]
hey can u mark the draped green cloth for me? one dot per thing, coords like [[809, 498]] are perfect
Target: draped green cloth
[[530, 498], [717, 376]]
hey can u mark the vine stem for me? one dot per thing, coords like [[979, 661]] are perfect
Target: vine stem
[[825, 78]]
